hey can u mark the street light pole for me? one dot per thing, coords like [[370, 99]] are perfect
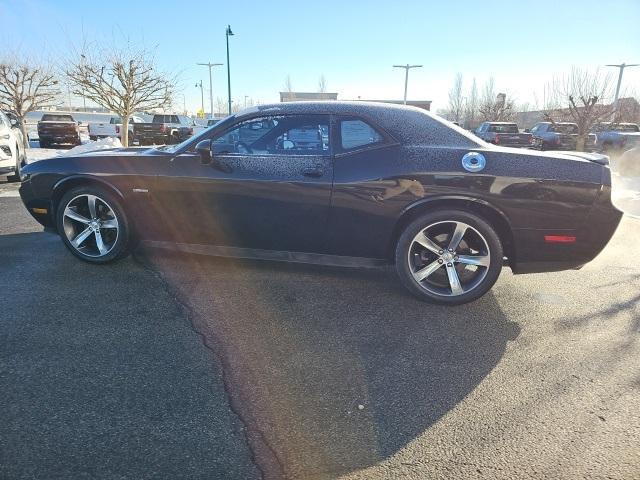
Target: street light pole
[[621, 67], [406, 67], [228, 33], [201, 96], [210, 65]]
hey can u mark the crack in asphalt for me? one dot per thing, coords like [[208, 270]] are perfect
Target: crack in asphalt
[[254, 437]]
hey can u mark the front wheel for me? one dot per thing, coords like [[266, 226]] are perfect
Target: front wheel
[[449, 257], [93, 224]]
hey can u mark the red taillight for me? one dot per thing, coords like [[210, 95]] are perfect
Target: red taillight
[[163, 128], [560, 239], [191, 131], [117, 129], [496, 140]]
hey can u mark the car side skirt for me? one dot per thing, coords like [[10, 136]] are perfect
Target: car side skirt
[[273, 255]]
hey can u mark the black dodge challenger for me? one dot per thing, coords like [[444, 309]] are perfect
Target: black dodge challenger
[[342, 183]]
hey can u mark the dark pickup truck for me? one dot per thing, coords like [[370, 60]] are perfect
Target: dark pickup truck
[[503, 133], [163, 130], [57, 128], [558, 136]]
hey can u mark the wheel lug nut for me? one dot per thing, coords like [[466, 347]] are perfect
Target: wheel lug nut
[[449, 265], [440, 260], [440, 252]]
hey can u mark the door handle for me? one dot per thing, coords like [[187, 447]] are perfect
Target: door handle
[[313, 172]]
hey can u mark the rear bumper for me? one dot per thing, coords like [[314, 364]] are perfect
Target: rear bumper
[[535, 255]]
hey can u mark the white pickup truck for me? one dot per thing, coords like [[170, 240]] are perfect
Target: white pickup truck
[[111, 128]]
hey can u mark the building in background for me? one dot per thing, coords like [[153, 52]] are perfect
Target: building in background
[[423, 104]]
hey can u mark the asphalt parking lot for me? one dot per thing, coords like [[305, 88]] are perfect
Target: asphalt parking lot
[[171, 366]]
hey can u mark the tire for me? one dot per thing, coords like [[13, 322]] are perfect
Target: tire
[[43, 144], [480, 247], [73, 218], [93, 138]]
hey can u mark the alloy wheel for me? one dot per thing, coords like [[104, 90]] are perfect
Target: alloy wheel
[[90, 225], [449, 258]]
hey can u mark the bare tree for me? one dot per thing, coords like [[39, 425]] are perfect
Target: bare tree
[[124, 81], [583, 97], [322, 84], [456, 99], [25, 87], [221, 105], [471, 106], [495, 107], [288, 87]]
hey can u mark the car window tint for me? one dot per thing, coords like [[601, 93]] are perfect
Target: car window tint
[[357, 133], [278, 135]]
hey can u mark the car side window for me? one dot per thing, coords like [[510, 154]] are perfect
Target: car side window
[[356, 133], [276, 135]]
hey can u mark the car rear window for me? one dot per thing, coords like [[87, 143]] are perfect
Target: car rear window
[[49, 117], [568, 128], [504, 128], [165, 119], [626, 128]]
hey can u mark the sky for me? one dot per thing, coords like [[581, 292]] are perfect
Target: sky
[[354, 44]]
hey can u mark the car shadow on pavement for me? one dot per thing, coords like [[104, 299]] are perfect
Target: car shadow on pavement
[[333, 370]]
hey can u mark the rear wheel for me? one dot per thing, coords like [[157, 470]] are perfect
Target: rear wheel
[[93, 225], [449, 257]]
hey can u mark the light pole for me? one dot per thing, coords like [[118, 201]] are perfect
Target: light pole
[[210, 65], [228, 33], [245, 100], [406, 67], [202, 97], [621, 67]]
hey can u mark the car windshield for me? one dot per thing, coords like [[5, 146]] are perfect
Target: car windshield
[[193, 140]]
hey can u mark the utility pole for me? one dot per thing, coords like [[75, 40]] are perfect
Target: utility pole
[[621, 67], [202, 97], [406, 67], [210, 65], [228, 33]]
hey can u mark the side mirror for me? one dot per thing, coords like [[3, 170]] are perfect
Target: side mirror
[[203, 147], [527, 130]]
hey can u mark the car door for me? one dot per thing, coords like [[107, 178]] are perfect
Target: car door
[[268, 186]]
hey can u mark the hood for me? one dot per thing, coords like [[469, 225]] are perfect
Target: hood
[[106, 152]]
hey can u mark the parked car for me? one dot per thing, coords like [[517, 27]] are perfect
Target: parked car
[[558, 136], [505, 134], [617, 136], [12, 151], [58, 128], [388, 184], [163, 130], [111, 128]]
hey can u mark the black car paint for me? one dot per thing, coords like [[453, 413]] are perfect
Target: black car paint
[[357, 205]]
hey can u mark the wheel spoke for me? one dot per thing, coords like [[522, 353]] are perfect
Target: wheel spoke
[[426, 271], [111, 223], [458, 233], [454, 281], [427, 243], [479, 260], [72, 214], [91, 200], [100, 243], [76, 242]]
